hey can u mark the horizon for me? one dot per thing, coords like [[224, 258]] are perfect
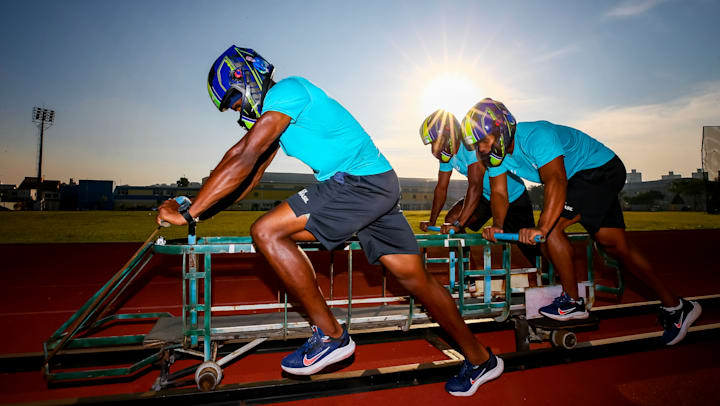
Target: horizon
[[131, 103], [200, 182]]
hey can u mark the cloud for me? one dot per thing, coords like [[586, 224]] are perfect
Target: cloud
[[548, 56], [630, 8], [657, 138]]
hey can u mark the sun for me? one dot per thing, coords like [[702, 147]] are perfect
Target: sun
[[455, 93]]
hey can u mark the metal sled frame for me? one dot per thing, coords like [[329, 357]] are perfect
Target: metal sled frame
[[201, 337]]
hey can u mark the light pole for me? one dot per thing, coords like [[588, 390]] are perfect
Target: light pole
[[44, 118]]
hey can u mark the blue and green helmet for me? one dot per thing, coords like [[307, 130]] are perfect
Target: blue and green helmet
[[442, 130], [240, 73], [490, 117]]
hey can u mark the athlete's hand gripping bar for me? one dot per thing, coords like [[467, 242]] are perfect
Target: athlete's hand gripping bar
[[436, 228], [516, 237]]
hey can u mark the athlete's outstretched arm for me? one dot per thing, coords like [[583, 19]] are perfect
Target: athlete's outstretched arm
[[439, 197], [476, 172], [236, 165], [553, 176], [499, 205]]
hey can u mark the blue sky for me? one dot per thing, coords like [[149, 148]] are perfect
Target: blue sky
[[127, 79]]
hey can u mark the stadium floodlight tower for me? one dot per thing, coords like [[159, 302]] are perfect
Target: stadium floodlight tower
[[44, 118]]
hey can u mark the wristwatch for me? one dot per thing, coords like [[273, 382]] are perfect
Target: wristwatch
[[185, 212], [456, 223]]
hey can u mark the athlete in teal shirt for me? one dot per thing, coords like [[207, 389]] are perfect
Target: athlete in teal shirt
[[583, 180], [538, 143], [322, 133], [358, 194], [473, 211]]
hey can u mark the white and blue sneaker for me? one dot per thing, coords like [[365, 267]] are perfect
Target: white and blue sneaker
[[565, 308], [318, 352], [467, 382], [676, 322]]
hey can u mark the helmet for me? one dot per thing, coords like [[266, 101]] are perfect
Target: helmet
[[490, 117], [240, 73], [442, 129]]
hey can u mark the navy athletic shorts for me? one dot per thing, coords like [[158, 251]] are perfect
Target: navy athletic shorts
[[594, 194], [367, 205]]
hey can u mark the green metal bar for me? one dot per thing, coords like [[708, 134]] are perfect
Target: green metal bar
[[410, 313], [507, 253], [96, 342], [207, 316], [349, 308], [177, 249], [225, 240], [487, 280], [285, 316], [195, 275], [192, 268], [491, 272], [184, 295], [107, 372], [591, 273], [134, 316], [461, 288]]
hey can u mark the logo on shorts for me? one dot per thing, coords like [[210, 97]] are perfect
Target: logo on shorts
[[303, 196], [568, 208]]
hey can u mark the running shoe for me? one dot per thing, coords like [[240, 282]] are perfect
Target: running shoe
[[565, 308], [318, 352], [472, 376], [676, 322]]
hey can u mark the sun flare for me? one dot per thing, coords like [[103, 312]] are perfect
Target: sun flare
[[452, 92]]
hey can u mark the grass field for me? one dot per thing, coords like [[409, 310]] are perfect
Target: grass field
[[115, 226]]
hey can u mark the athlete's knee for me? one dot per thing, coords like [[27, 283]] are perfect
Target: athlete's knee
[[556, 236], [614, 244], [261, 231], [412, 279]]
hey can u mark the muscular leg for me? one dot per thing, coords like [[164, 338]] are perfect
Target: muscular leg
[[614, 241], [409, 271], [275, 234], [559, 250]]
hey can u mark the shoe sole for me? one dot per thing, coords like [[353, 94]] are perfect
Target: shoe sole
[[689, 320], [336, 356], [490, 375], [571, 316]]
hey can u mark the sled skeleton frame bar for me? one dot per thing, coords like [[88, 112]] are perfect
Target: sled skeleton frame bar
[[198, 323]]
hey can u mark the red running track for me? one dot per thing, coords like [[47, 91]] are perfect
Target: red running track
[[44, 284]]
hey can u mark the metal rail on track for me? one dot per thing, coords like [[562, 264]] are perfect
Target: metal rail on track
[[348, 382]]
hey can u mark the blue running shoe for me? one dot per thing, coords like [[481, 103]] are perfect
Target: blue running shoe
[[676, 323], [565, 308], [318, 352], [472, 376]]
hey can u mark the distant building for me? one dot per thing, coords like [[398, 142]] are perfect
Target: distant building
[[670, 200], [127, 197], [670, 176], [634, 177], [44, 194], [12, 198], [274, 188], [95, 195], [699, 174]]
